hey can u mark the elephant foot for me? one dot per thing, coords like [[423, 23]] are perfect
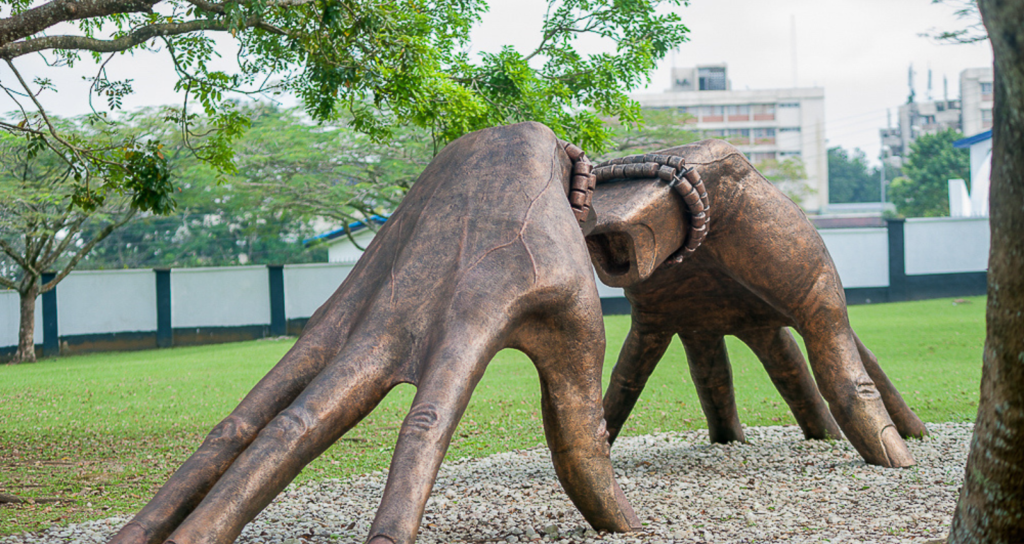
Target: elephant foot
[[895, 448], [133, 533]]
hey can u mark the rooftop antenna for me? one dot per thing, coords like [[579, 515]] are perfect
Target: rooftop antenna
[[929, 83], [910, 83], [792, 44]]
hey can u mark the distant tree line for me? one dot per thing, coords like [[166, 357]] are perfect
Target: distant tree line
[[918, 187]]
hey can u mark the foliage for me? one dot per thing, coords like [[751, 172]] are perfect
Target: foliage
[[789, 175], [234, 221], [46, 202], [965, 10], [165, 401], [849, 179], [924, 191], [292, 174], [384, 63], [329, 172], [661, 129]]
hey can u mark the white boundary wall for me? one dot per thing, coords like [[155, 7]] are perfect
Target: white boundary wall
[[308, 286], [861, 255], [98, 302], [10, 319], [95, 302], [944, 245], [229, 296]]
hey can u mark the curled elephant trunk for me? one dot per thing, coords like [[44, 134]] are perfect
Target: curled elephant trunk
[[630, 239]]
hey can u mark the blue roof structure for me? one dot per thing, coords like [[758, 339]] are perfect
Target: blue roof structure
[[337, 233], [968, 142]]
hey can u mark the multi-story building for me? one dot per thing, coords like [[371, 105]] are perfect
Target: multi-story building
[[917, 119], [976, 98], [971, 114], [765, 124]]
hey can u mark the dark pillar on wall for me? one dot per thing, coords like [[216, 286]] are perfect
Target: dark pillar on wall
[[164, 334], [897, 260], [51, 340], [278, 321]]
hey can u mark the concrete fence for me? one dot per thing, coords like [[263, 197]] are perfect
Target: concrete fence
[[137, 309]]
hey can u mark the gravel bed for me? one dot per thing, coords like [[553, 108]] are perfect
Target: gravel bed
[[778, 487]]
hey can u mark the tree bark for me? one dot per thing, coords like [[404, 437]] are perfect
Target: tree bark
[[991, 505], [26, 330]]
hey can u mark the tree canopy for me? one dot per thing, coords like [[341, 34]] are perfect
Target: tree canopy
[[932, 162], [849, 179], [292, 175], [377, 66], [384, 63]]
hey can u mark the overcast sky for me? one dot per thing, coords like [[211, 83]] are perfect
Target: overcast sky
[[858, 50]]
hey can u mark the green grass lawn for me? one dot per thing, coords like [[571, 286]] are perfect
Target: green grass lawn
[[102, 432]]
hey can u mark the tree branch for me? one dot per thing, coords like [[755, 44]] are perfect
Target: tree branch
[[136, 37], [40, 18], [8, 283], [10, 251], [85, 251]]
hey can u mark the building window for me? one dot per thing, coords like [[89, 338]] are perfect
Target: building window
[[760, 157], [763, 112], [712, 114], [712, 78], [719, 133], [738, 113], [986, 118], [691, 113], [789, 129], [986, 88], [783, 155], [738, 136], [764, 136], [789, 104]]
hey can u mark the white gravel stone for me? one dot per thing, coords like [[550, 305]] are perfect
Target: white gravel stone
[[777, 487]]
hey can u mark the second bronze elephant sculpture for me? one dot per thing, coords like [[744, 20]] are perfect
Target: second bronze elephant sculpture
[[761, 268]]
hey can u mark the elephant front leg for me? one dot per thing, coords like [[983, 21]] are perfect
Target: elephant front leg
[[712, 377], [854, 399], [441, 399], [639, 356], [569, 352], [785, 365], [907, 422]]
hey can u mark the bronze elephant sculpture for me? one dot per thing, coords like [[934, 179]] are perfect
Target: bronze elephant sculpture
[[484, 253], [762, 267]]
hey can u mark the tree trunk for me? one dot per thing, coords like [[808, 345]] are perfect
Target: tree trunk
[[991, 505], [26, 330]]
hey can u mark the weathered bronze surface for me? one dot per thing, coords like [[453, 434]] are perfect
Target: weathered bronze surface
[[484, 253], [762, 267]]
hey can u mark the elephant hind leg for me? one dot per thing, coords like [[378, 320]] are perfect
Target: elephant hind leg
[[785, 365], [190, 483], [338, 398], [639, 356], [906, 421], [712, 377]]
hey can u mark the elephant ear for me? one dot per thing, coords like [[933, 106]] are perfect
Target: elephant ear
[[650, 208]]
